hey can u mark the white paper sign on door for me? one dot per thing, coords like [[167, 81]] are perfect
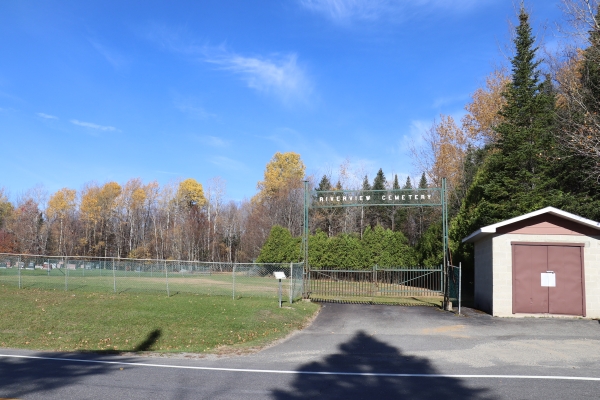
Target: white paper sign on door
[[548, 279]]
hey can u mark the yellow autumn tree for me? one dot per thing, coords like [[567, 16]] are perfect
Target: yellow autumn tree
[[483, 110], [285, 171], [190, 193], [98, 205], [443, 152], [60, 205]]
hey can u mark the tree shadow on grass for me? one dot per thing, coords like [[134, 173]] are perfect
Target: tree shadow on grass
[[365, 354], [22, 377]]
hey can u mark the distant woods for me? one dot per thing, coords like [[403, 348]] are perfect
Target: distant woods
[[191, 221]]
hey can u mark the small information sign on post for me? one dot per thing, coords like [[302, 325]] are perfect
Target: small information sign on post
[[279, 275]]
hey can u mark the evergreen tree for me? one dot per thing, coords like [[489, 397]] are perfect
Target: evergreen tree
[[517, 176], [325, 218], [377, 215], [393, 209], [396, 185], [406, 217], [423, 182], [324, 184], [424, 214], [363, 210], [366, 185], [280, 247]]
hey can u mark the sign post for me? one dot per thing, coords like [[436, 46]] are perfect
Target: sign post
[[279, 275]]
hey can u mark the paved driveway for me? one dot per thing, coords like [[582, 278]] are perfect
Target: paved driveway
[[349, 352]]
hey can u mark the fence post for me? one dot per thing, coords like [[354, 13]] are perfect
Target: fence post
[[114, 277], [459, 286], [233, 281], [374, 278], [66, 274], [441, 280], [291, 281], [19, 271], [167, 279]]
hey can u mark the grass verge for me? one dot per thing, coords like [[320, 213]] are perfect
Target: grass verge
[[67, 321]]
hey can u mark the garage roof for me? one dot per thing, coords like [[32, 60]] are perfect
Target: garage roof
[[491, 229]]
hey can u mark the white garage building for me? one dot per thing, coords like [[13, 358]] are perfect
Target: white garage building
[[546, 262]]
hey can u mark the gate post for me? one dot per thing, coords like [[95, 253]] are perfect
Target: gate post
[[305, 273], [445, 243], [374, 277]]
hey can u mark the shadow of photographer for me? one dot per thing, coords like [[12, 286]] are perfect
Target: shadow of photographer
[[363, 354]]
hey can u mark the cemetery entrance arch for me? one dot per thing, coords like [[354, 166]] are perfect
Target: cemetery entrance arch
[[374, 282]]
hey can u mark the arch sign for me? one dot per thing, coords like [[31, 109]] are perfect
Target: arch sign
[[429, 197]]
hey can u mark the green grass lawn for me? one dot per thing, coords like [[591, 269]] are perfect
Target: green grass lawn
[[96, 280], [41, 319]]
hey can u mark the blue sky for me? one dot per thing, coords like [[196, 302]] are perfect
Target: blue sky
[[112, 90]]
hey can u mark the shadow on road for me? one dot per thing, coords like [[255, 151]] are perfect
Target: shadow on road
[[365, 354], [149, 342], [20, 377]]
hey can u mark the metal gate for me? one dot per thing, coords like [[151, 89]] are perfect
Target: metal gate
[[376, 283]]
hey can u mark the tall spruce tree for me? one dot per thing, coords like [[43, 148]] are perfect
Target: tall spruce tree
[[364, 210], [325, 218], [393, 209], [517, 175], [519, 170], [406, 217], [377, 215]]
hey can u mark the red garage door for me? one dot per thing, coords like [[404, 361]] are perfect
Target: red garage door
[[548, 278]]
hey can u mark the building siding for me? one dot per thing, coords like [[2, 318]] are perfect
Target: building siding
[[501, 259], [484, 266]]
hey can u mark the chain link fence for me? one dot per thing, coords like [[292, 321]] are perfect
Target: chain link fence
[[116, 275]]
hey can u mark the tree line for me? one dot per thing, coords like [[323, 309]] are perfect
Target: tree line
[[184, 220]]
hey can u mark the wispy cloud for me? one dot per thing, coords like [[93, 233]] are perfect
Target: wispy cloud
[[414, 137], [189, 107], [212, 141], [396, 10], [449, 100], [95, 126], [46, 116], [228, 163], [277, 74], [347, 9], [114, 58]]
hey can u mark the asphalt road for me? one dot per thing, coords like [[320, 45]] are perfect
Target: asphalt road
[[349, 352]]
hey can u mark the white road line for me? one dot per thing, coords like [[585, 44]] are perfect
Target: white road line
[[273, 371]]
